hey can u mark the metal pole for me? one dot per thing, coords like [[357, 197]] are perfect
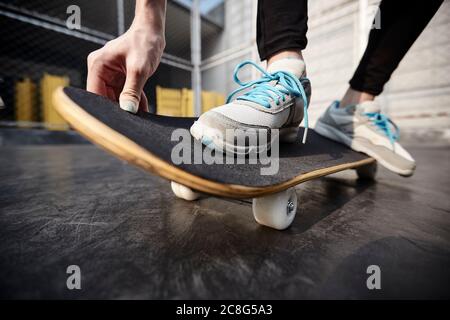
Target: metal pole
[[196, 56], [120, 17]]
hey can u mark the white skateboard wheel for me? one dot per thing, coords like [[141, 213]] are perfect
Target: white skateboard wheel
[[184, 192], [368, 171], [276, 210]]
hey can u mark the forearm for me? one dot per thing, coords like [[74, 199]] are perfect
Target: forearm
[[151, 14]]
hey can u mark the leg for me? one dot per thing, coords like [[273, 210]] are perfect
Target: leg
[[356, 120], [281, 29], [401, 25], [283, 87]]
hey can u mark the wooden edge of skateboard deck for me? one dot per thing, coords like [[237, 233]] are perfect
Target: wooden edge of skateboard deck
[[126, 149]]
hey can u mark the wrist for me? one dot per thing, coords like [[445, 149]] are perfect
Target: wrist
[[145, 38], [150, 14]]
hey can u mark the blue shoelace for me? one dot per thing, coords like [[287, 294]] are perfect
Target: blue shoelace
[[383, 124], [263, 91]]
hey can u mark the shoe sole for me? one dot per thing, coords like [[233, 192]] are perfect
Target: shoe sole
[[338, 136]]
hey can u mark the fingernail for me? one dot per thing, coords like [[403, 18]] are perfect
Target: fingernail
[[129, 106]]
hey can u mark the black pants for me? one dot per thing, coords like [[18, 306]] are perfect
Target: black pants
[[282, 25]]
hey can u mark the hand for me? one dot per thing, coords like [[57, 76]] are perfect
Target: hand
[[121, 68]]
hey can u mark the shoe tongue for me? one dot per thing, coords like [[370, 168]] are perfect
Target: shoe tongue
[[295, 66], [369, 106]]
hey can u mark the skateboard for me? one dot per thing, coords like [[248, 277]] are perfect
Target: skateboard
[[147, 141]]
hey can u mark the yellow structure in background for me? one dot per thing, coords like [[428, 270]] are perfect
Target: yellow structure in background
[[187, 102], [25, 100], [52, 119], [168, 102], [211, 99], [180, 102]]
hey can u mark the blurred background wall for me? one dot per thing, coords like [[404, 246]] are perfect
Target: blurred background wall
[[36, 46]]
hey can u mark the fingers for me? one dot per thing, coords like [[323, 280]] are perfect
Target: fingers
[[119, 77], [95, 84], [111, 93], [143, 105], [94, 81], [131, 94]]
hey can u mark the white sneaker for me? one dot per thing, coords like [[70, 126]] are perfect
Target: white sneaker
[[363, 128], [278, 100]]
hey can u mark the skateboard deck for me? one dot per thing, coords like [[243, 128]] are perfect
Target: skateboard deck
[[144, 140]]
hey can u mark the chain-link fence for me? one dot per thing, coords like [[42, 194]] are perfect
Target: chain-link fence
[[45, 44], [39, 52]]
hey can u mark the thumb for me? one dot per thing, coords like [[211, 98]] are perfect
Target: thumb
[[131, 94]]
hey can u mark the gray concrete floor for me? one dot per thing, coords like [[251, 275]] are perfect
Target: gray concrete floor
[[75, 204]]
